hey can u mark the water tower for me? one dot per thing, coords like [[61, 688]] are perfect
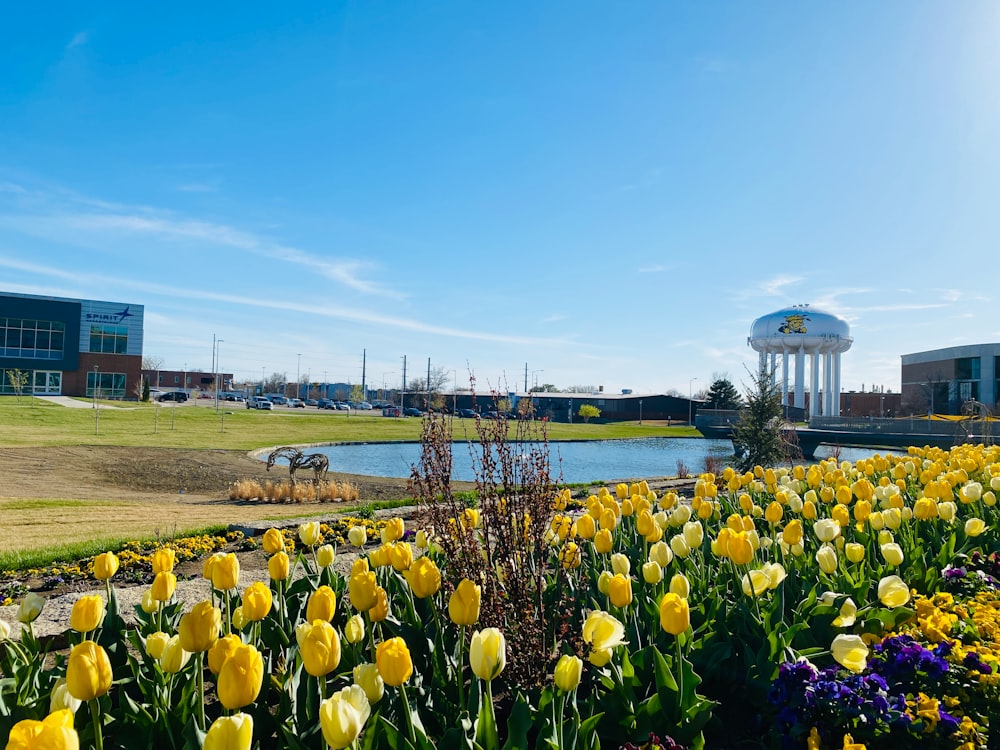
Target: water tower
[[797, 331]]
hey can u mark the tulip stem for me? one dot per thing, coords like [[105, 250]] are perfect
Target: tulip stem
[[200, 667], [680, 678], [460, 667], [95, 712], [406, 713]]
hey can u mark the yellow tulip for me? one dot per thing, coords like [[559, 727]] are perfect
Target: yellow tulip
[[88, 671], [105, 566], [322, 605], [379, 557], [226, 572], [325, 556], [892, 592], [679, 546], [239, 621], [603, 631], [855, 552], [278, 566], [164, 585], [240, 678], [850, 651], [680, 585], [424, 577], [155, 643], [892, 554], [585, 527], [309, 533], [569, 672], [30, 607], [773, 512], [569, 556], [366, 677], [675, 615], [608, 520], [342, 716], [274, 541], [755, 583], [600, 656], [661, 554], [603, 542], [401, 556], [257, 601], [652, 573], [221, 650], [847, 615], [423, 539], [357, 535], [380, 609], [393, 530], [393, 660], [354, 629], [775, 573], [88, 613], [792, 533], [620, 564], [174, 657], [200, 627], [471, 518], [620, 590], [230, 733], [974, 527], [209, 565], [163, 560], [826, 556], [361, 588], [487, 653], [463, 605], [740, 548], [319, 646], [826, 529], [54, 732], [148, 603]]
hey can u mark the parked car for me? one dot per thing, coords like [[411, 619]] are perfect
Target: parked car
[[259, 402], [491, 415], [411, 411], [311, 402], [177, 396], [467, 413], [390, 411], [325, 403], [363, 406], [341, 406], [296, 403], [280, 400]]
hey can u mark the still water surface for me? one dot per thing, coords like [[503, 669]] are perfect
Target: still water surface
[[585, 461]]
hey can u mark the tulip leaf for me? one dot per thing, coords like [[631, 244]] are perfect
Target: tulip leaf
[[518, 724]]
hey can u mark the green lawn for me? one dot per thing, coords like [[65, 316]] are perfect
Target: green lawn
[[34, 422]]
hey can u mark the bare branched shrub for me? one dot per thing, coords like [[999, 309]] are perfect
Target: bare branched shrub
[[682, 470], [714, 465], [508, 553]]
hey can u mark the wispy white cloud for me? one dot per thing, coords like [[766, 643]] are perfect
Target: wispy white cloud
[[199, 187], [79, 38], [776, 286], [554, 318], [344, 271]]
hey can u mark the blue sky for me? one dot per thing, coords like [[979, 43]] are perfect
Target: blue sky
[[609, 193]]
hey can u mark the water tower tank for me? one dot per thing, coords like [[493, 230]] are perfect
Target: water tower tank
[[794, 332]]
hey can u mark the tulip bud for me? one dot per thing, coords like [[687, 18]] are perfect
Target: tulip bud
[[393, 530], [361, 589], [585, 527], [278, 566], [380, 609], [239, 620], [226, 572], [661, 554], [401, 556], [325, 556], [221, 650], [309, 533], [274, 541], [200, 627], [652, 573], [30, 608], [603, 541], [62, 699], [164, 585], [394, 663], [826, 556], [87, 614], [620, 590], [155, 643], [4, 630], [366, 677], [357, 535], [694, 534], [487, 653], [342, 716], [422, 539], [679, 546], [88, 671], [148, 603], [105, 566], [568, 673], [855, 552], [463, 605], [424, 578], [163, 560], [257, 601], [322, 605], [893, 554], [230, 733], [319, 646], [354, 629], [620, 564], [240, 678], [792, 533], [675, 616], [680, 585]]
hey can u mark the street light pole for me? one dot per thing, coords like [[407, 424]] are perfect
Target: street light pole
[[690, 403], [298, 376], [97, 417], [218, 367]]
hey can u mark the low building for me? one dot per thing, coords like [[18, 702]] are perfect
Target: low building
[[70, 347], [941, 380]]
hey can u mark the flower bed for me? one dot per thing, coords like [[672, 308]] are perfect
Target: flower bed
[[828, 606]]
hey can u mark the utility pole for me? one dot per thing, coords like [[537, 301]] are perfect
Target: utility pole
[[428, 404], [402, 393], [364, 361], [525, 377]]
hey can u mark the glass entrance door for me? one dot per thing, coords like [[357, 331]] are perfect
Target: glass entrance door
[[47, 381]]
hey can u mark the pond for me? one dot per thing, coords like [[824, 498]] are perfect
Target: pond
[[579, 461]]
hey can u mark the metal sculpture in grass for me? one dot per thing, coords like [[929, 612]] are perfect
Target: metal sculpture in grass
[[318, 462]]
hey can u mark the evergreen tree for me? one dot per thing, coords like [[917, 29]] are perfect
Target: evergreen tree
[[145, 389], [723, 395], [757, 435]]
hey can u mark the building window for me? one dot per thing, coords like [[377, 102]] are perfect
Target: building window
[[107, 384], [31, 339], [108, 339], [967, 368]]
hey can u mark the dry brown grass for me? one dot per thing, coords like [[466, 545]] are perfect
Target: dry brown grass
[[37, 523], [302, 492]]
